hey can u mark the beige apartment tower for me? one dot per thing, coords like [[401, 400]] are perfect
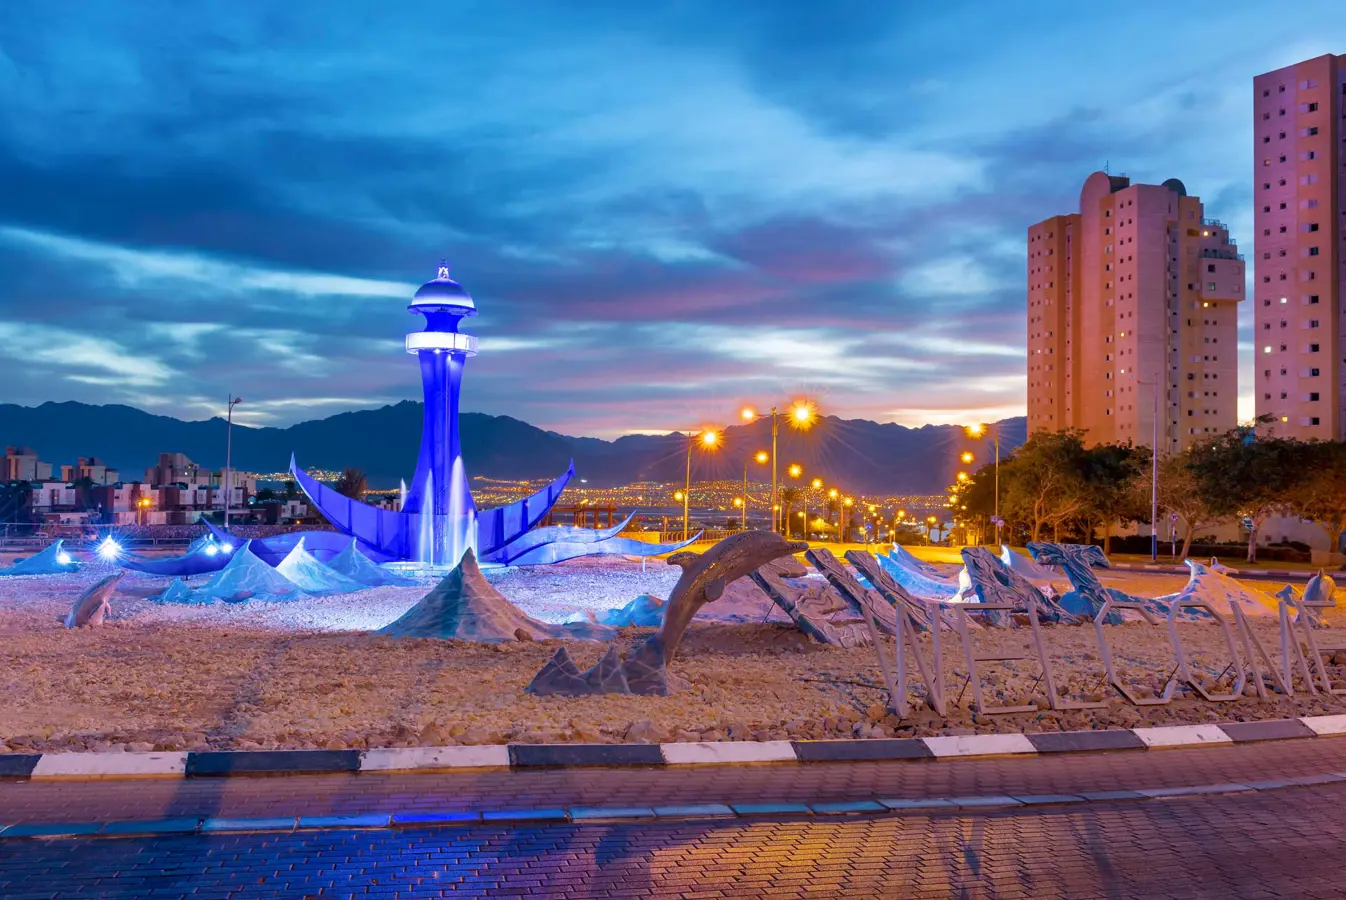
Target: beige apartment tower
[[1299, 284], [1133, 306]]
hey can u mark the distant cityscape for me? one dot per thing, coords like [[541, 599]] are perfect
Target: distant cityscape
[[176, 491]]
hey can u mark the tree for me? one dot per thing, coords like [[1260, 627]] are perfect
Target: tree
[[1043, 482], [291, 490], [351, 483], [1319, 492], [1242, 474], [789, 496], [1115, 489], [265, 495], [1179, 494]]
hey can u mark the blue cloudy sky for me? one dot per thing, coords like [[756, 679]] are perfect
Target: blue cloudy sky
[[664, 209]]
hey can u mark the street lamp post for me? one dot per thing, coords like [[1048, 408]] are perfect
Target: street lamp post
[[801, 417], [761, 457], [228, 456], [709, 439], [977, 431]]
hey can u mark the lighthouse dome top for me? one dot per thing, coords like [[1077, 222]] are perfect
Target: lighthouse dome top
[[442, 292]]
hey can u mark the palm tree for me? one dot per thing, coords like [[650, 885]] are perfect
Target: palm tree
[[291, 490], [351, 483], [788, 497]]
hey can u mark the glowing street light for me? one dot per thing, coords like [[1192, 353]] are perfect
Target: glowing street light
[[817, 483], [967, 456], [796, 470], [978, 430], [832, 494], [761, 456], [962, 476], [801, 415], [709, 439], [228, 457]]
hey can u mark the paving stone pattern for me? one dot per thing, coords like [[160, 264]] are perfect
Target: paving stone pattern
[[1233, 845]]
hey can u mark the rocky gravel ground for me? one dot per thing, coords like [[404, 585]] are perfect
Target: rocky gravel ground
[[308, 674]]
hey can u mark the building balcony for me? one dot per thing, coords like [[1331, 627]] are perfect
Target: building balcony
[[1222, 254]]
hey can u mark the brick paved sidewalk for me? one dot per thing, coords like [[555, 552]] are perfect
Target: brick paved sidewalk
[[1239, 845], [319, 795]]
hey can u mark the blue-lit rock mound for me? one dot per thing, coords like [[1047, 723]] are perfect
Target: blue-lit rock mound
[[358, 567], [645, 611], [53, 560], [178, 592], [312, 577], [465, 606], [246, 577]]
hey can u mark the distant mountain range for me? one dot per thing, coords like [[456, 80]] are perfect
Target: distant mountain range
[[857, 455]]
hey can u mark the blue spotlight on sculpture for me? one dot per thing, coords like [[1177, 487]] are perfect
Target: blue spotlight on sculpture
[[109, 550]]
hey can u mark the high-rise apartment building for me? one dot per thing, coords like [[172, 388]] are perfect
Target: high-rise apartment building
[[1299, 165], [1133, 305]]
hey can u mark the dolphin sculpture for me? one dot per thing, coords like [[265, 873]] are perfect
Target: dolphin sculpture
[[92, 605]]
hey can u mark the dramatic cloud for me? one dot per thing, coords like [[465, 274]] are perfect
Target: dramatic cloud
[[663, 209]]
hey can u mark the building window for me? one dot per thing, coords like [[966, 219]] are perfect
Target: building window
[[1313, 348], [1313, 396], [1313, 298], [1313, 251], [1313, 373], [1314, 420], [1313, 107], [1312, 131]]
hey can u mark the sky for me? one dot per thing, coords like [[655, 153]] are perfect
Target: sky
[[664, 210]]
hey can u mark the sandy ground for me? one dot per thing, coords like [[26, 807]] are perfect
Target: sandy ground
[[307, 674]]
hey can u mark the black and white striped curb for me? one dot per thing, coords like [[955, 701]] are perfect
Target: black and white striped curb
[[220, 763], [1255, 574], [582, 815]]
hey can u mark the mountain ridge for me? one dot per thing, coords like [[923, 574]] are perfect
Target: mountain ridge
[[858, 455]]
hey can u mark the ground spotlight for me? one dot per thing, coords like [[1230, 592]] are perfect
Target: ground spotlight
[[63, 558], [211, 550], [109, 549]]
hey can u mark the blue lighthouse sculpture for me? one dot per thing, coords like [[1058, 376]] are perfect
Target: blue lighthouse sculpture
[[439, 498], [439, 521]]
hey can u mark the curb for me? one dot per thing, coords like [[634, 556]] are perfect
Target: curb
[[589, 815], [1263, 574], [230, 763]]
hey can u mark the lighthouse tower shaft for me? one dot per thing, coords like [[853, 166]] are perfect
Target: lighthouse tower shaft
[[439, 502]]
